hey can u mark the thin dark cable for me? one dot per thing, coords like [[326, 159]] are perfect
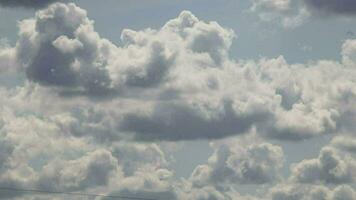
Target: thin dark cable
[[71, 193]]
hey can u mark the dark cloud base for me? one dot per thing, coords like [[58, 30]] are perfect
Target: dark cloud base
[[342, 7], [26, 3]]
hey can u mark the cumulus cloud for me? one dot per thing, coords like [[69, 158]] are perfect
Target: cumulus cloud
[[94, 169], [30, 143], [34, 157], [174, 83], [73, 123], [36, 154], [330, 168], [247, 164], [53, 60], [74, 58]]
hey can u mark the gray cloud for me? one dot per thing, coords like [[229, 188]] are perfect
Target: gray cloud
[[133, 157], [186, 122], [347, 143], [56, 55], [329, 168], [341, 7], [27, 3], [311, 192], [155, 184], [92, 170], [6, 149], [251, 164], [344, 192]]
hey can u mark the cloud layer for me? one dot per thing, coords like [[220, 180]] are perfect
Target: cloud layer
[[175, 83], [85, 111]]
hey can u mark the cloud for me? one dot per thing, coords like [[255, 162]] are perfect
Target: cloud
[[131, 169], [139, 156], [344, 192], [206, 193], [188, 122], [273, 5], [87, 111], [6, 150], [308, 192], [33, 156], [329, 168], [26, 3], [346, 143], [348, 52], [288, 14], [7, 57], [54, 60], [291, 14], [76, 60], [92, 170], [154, 185], [173, 83], [248, 164], [38, 160], [339, 7], [210, 193]]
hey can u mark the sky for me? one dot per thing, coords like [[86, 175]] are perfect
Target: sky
[[178, 99]]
